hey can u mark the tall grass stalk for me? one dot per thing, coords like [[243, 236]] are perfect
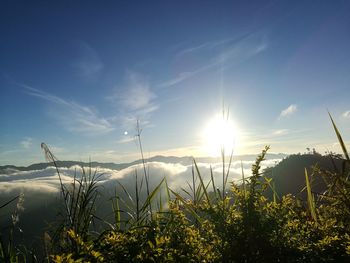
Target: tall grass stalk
[[146, 176], [238, 225], [79, 201], [10, 251], [310, 197], [340, 139], [243, 181], [50, 157]]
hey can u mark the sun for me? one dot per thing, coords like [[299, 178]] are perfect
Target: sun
[[219, 134]]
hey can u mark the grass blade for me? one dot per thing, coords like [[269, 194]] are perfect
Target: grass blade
[[272, 187], [13, 199], [243, 180], [151, 196], [340, 139], [167, 188], [187, 206], [202, 183], [126, 191], [212, 181], [186, 192], [116, 209], [310, 198]]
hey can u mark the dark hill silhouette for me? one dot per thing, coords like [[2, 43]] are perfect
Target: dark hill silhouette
[[289, 174]]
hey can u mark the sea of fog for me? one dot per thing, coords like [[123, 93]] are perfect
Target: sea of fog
[[177, 174], [41, 203]]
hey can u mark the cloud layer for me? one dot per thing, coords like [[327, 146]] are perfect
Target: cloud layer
[[73, 116], [26, 142], [346, 114], [88, 63], [135, 101], [291, 109], [177, 174], [222, 53]]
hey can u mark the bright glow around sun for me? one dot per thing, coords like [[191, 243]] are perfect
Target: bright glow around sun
[[219, 133]]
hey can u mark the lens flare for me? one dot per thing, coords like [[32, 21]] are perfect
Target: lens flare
[[219, 134]]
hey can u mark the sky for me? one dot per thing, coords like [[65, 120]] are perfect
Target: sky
[[78, 75]]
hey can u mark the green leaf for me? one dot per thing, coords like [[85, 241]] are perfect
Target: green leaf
[[151, 196], [116, 209], [310, 197], [204, 187], [187, 206], [272, 187], [340, 139]]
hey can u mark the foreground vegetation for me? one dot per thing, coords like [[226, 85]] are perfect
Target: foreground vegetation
[[215, 221]]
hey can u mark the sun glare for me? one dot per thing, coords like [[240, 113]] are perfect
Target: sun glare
[[219, 133]]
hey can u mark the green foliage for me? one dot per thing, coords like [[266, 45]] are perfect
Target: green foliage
[[244, 226], [238, 224], [78, 213]]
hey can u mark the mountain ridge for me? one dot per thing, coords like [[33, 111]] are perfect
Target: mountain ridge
[[6, 169]]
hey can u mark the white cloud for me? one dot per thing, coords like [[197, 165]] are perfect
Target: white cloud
[[280, 132], [126, 139], [44, 180], [222, 53], [291, 109], [73, 116], [41, 187], [177, 175], [24, 186], [135, 101], [26, 142], [136, 95], [346, 114], [181, 77], [204, 46], [88, 64]]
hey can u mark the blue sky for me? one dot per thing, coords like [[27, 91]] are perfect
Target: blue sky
[[78, 74]]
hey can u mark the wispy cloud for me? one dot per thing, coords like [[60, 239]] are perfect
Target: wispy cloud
[[126, 139], [291, 109], [138, 95], [88, 63], [135, 100], [181, 77], [203, 46], [73, 116], [222, 53], [346, 114], [280, 132], [26, 143]]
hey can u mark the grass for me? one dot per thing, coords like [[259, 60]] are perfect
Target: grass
[[234, 222]]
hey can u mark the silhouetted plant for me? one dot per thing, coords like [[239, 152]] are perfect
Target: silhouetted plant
[[210, 222], [79, 199]]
